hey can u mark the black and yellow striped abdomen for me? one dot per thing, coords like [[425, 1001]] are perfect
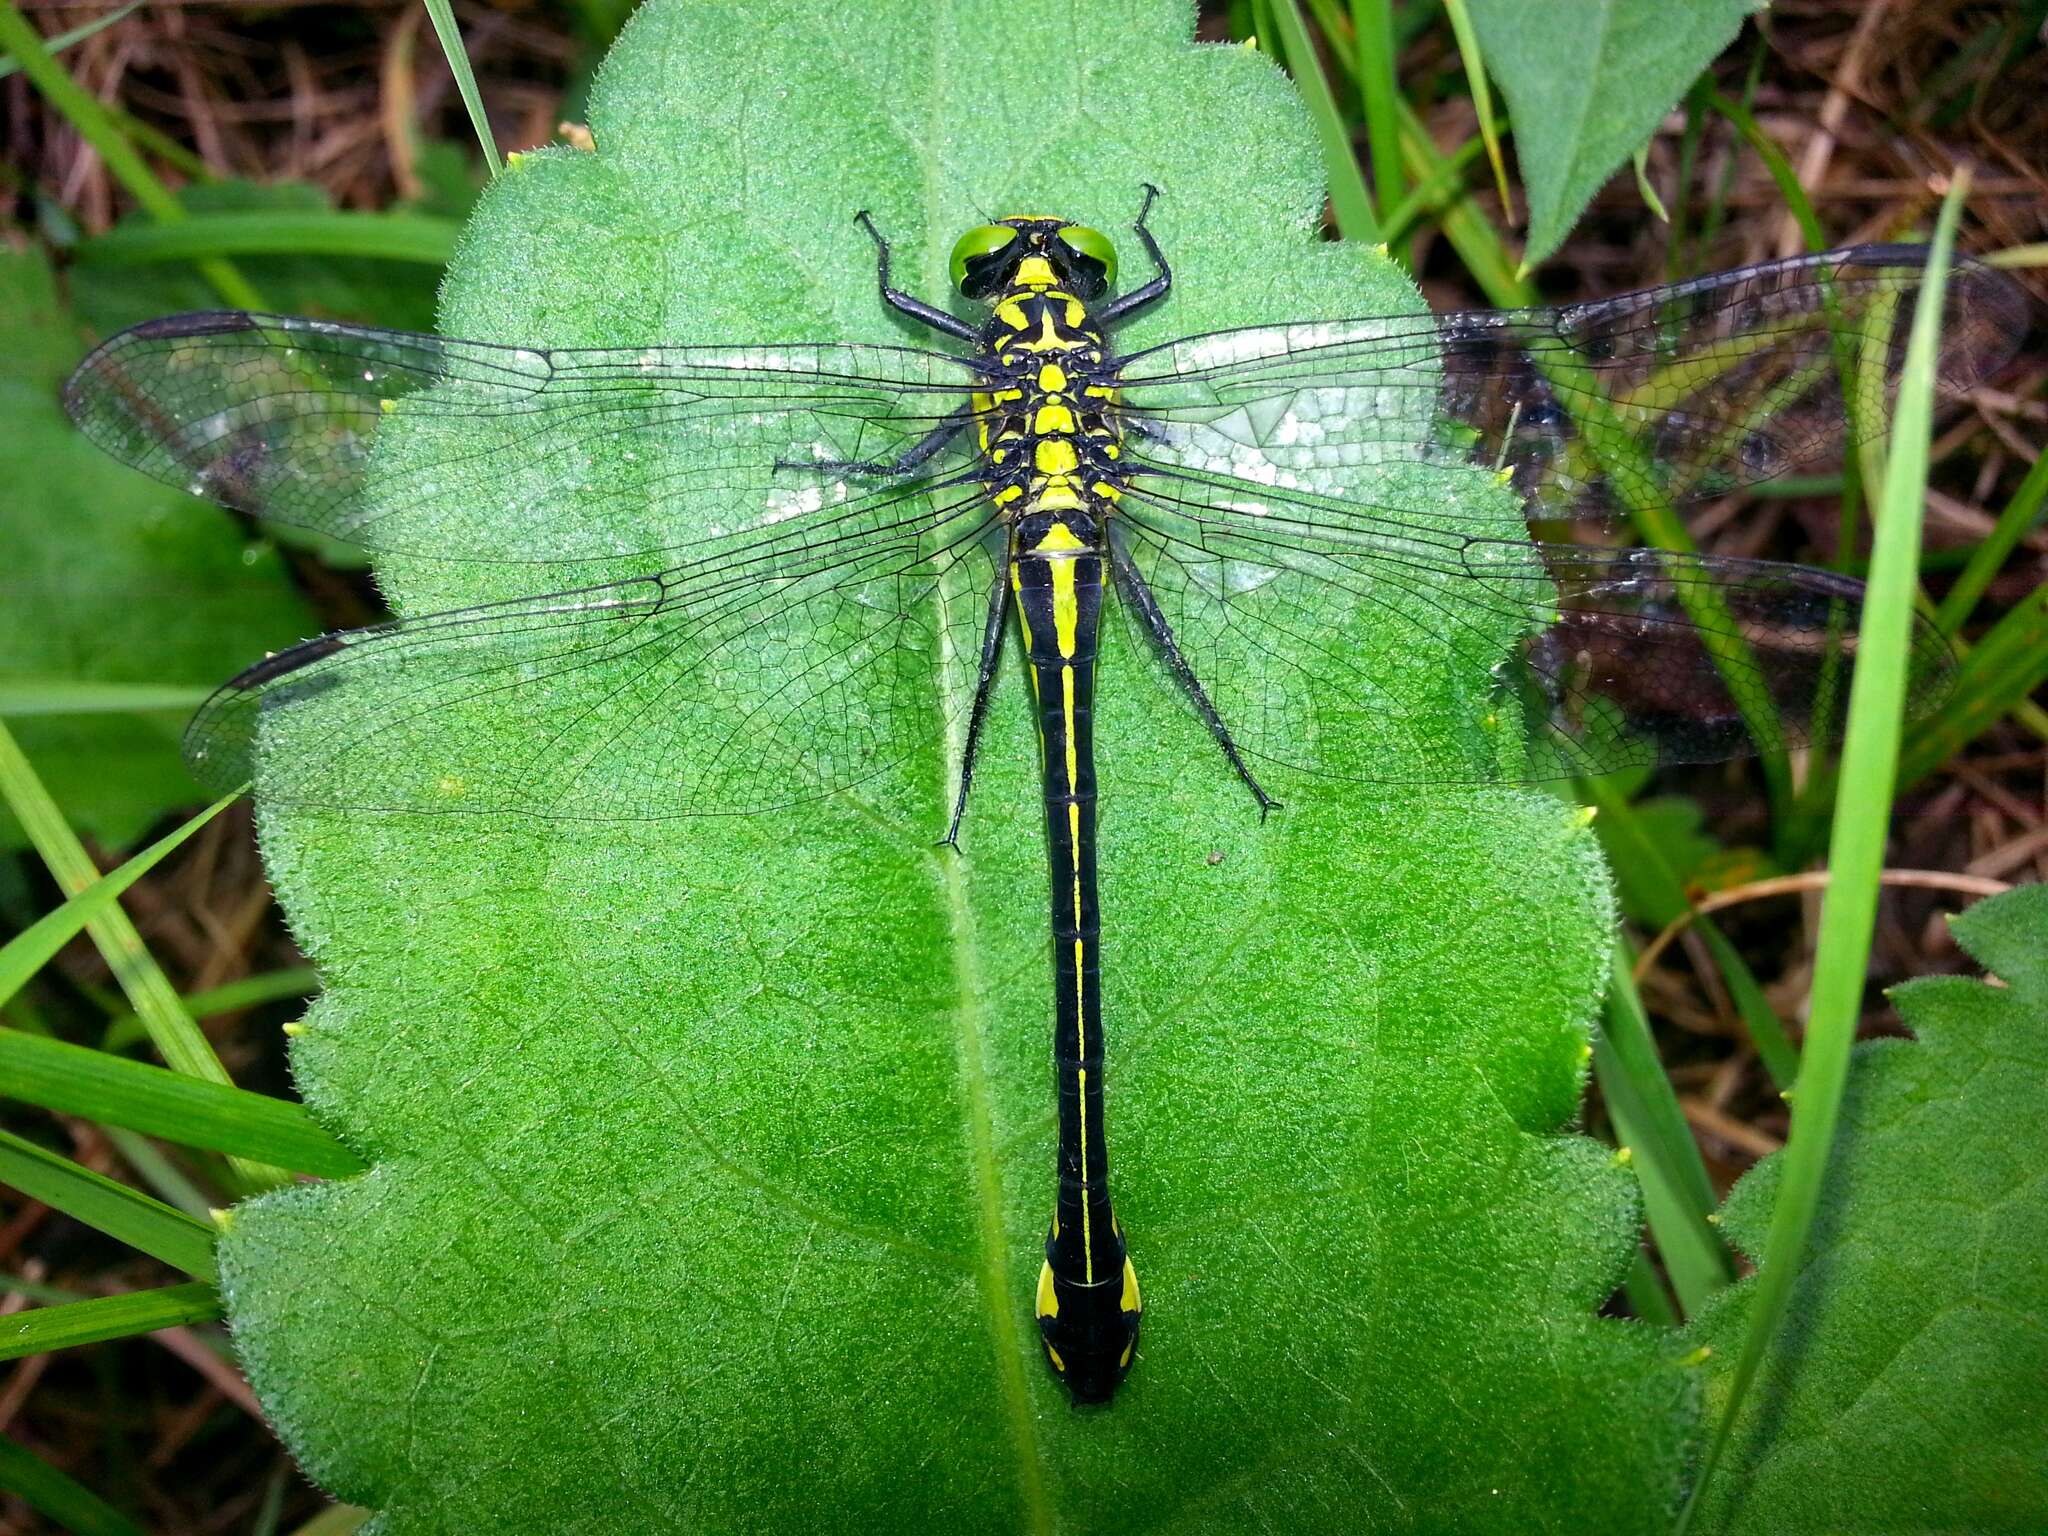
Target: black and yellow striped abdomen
[[1088, 1305]]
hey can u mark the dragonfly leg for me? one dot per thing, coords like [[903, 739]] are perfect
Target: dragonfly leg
[[984, 683], [1162, 279], [916, 308], [908, 462], [1140, 597]]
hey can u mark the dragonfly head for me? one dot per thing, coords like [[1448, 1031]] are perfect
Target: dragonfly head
[[1029, 250]]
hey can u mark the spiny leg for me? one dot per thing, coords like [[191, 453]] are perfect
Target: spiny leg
[[984, 684], [1138, 298], [906, 463], [1139, 595], [898, 300]]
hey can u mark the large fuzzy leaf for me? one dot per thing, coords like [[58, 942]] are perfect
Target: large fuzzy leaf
[[1908, 1390], [1587, 82], [713, 1157], [109, 580]]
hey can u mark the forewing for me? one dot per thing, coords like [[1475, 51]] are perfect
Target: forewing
[[774, 670], [1592, 410], [612, 452]]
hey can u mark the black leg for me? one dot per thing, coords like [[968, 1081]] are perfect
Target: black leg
[[897, 299], [991, 653], [908, 462], [1138, 298], [1140, 597]]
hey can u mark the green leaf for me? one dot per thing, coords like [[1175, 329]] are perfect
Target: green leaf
[[1904, 1391], [1587, 83], [43, 1329], [109, 581], [706, 1145], [1350, 202]]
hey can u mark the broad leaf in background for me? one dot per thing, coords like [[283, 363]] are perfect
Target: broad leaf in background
[[1587, 82], [109, 579], [714, 1156], [1911, 1374]]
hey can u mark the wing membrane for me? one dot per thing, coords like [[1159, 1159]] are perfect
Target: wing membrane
[[778, 671], [1593, 410], [1303, 507], [612, 451], [1514, 660]]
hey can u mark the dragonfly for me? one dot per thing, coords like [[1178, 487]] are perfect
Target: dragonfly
[[816, 536]]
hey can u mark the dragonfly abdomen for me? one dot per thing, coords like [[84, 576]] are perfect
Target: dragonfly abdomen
[[1088, 1303]]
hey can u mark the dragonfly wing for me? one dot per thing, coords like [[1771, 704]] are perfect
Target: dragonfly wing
[[1384, 642], [774, 672], [1595, 410], [392, 440]]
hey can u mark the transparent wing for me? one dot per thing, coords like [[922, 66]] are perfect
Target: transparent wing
[[1358, 602], [1592, 410], [611, 451], [766, 672], [1342, 639]]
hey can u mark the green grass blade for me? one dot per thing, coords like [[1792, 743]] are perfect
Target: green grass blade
[[1989, 557], [416, 237], [30, 950], [1482, 96], [230, 997], [1646, 1294], [1664, 897], [71, 1080], [44, 1329], [1677, 1196], [77, 34], [157, 1170], [1349, 199], [1766, 1030], [1430, 195], [443, 17], [1648, 193], [1996, 678], [51, 1494], [125, 1214], [1379, 90], [174, 1032], [1796, 201], [97, 127], [1465, 225], [21, 697], [1870, 760]]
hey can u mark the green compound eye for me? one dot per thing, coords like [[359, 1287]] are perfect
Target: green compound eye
[[982, 240], [1092, 245]]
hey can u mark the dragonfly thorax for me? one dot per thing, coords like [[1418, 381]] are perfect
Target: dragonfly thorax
[[1050, 430]]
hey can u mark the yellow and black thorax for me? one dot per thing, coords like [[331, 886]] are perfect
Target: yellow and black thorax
[[1047, 415]]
